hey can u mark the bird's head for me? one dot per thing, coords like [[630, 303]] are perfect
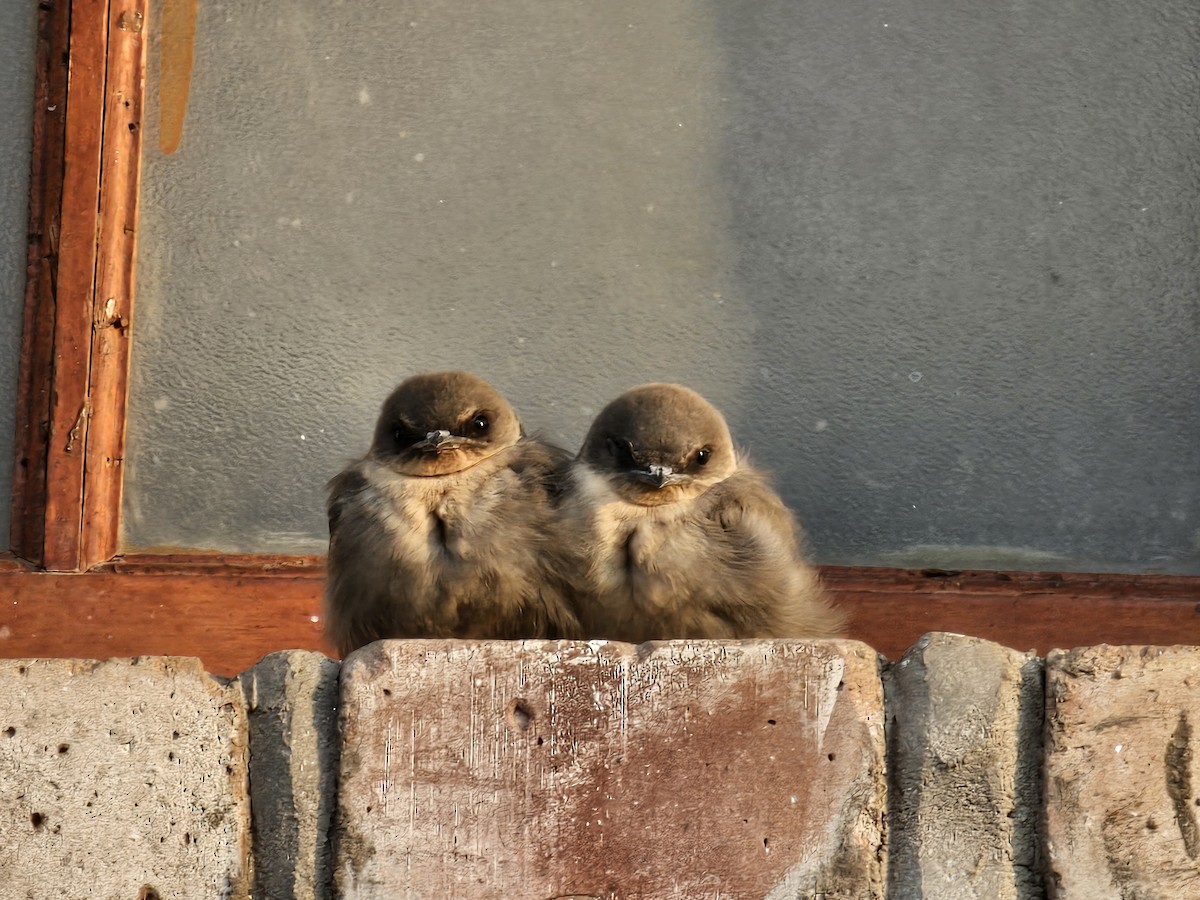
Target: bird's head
[[443, 422], [659, 443]]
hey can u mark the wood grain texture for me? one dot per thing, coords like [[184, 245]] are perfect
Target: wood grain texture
[[70, 402], [112, 317], [232, 611], [27, 528], [79, 296], [891, 608], [229, 621]]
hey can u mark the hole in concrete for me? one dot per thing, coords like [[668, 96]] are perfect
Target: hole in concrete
[[21, 670], [770, 721], [148, 893], [766, 845], [1151, 825], [187, 838], [520, 715], [386, 692], [10, 731], [63, 748], [830, 757], [841, 684], [174, 735], [541, 741], [36, 819]]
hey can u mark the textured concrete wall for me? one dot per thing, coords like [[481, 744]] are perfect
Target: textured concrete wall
[[457, 769], [292, 702], [938, 264], [1122, 772], [122, 779], [964, 737]]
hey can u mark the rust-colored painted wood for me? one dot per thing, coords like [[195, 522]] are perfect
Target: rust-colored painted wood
[[75, 353], [891, 608], [232, 611], [27, 528], [214, 564], [230, 621], [70, 403], [116, 260]]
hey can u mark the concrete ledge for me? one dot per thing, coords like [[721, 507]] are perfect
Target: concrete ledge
[[964, 717], [1122, 778], [672, 770], [124, 778], [292, 698], [589, 770]]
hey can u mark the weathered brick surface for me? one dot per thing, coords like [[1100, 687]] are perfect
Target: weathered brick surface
[[121, 779], [964, 724], [294, 743], [672, 770], [1122, 785]]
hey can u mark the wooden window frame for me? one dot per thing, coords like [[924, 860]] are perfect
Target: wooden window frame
[[70, 593]]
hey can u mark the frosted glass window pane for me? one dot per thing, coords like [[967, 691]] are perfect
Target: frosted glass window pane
[[939, 268], [18, 38]]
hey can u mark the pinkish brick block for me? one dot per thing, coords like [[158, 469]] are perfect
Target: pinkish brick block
[[670, 770]]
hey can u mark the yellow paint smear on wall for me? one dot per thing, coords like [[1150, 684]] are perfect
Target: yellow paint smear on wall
[[175, 69]]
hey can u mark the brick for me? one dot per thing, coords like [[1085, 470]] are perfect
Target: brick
[[1122, 786], [294, 744], [122, 779], [964, 721], [670, 770]]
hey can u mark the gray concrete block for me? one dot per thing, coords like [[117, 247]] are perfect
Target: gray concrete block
[[964, 723], [1122, 775], [294, 744], [122, 779], [670, 770]]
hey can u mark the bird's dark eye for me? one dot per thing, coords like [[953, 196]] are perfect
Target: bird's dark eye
[[404, 435], [622, 452], [481, 424], [702, 456]]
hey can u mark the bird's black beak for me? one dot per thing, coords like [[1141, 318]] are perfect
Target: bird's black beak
[[658, 476], [438, 440]]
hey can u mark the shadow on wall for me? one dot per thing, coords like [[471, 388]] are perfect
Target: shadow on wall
[[968, 248]]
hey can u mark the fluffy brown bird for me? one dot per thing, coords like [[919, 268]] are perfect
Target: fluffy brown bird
[[680, 537], [443, 529]]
